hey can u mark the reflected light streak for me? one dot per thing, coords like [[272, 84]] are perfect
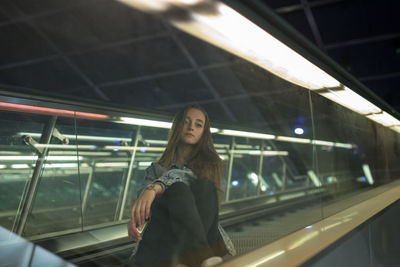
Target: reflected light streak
[[322, 143], [51, 111], [66, 146], [131, 148], [112, 164], [20, 166], [293, 139], [144, 122], [267, 153], [82, 137], [302, 240], [368, 174], [247, 134], [55, 158], [61, 165], [326, 228], [2, 166], [343, 145], [266, 259], [156, 142]]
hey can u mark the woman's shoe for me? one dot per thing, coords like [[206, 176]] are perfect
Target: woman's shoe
[[210, 262]]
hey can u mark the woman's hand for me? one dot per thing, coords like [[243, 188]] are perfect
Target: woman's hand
[[141, 210]]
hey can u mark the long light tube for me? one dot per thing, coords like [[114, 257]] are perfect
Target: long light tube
[[144, 122], [233, 32], [293, 139], [385, 119], [50, 158], [348, 98], [247, 134], [83, 137], [322, 143]]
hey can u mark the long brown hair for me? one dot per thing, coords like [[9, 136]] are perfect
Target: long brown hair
[[204, 160]]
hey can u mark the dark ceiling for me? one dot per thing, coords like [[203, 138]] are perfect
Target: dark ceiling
[[363, 36], [102, 50]]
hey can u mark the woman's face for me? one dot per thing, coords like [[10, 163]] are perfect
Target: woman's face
[[193, 127]]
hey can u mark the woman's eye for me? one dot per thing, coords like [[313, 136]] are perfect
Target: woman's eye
[[187, 121], [199, 125]]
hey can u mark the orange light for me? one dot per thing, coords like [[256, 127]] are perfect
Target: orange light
[[51, 111]]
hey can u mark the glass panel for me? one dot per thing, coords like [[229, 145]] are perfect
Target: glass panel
[[106, 151], [355, 160], [16, 162], [56, 203]]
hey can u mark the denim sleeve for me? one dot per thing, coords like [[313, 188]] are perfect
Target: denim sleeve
[[152, 172], [176, 175]]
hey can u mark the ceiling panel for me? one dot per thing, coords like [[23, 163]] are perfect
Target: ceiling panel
[[136, 59], [84, 27], [52, 75], [15, 46]]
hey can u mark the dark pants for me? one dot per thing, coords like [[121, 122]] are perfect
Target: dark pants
[[183, 227]]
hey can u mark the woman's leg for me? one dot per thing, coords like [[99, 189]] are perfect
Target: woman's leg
[[184, 222], [206, 198]]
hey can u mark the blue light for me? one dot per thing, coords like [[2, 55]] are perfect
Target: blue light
[[298, 131], [142, 150], [235, 183]]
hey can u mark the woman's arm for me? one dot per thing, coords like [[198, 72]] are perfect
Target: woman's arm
[[141, 210]]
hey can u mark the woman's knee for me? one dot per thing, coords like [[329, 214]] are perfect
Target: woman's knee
[[177, 188], [203, 185]]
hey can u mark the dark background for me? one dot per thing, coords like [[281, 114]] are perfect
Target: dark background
[[102, 50]]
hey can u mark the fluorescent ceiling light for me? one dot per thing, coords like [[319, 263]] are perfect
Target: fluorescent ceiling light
[[367, 173], [131, 148], [61, 165], [82, 137], [314, 178], [2, 166], [293, 139], [112, 164], [156, 142], [248, 134], [222, 145], [322, 143], [65, 146], [268, 153], [223, 157], [214, 130], [351, 100], [385, 118], [145, 163], [396, 128], [20, 166], [343, 145], [233, 32], [33, 158], [144, 122], [243, 146]]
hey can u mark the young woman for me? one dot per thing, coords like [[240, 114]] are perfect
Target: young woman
[[180, 199]]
